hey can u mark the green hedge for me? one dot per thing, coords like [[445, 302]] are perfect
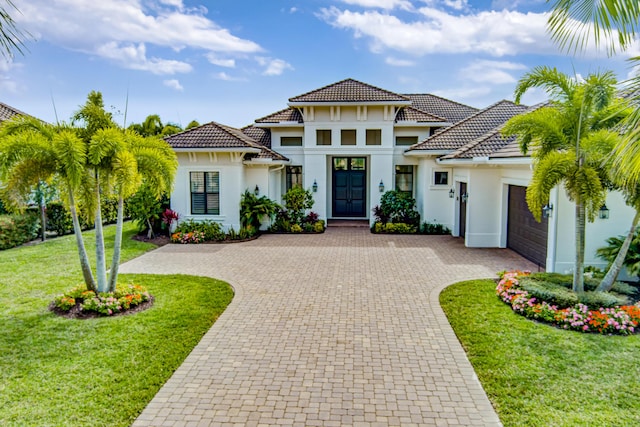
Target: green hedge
[[17, 229]]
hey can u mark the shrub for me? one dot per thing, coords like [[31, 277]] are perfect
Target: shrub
[[186, 237], [602, 299], [253, 209], [107, 303], [397, 207], [318, 226], [434, 229], [297, 200], [18, 229], [631, 261], [550, 292], [145, 210], [211, 230], [295, 228], [282, 221], [59, 219], [391, 228], [169, 217], [590, 283]]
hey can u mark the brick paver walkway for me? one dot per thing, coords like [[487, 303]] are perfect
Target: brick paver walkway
[[337, 329]]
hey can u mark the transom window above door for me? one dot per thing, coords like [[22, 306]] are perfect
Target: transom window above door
[[349, 163]]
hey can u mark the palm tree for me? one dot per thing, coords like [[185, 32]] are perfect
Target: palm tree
[[11, 37], [569, 139], [32, 151]]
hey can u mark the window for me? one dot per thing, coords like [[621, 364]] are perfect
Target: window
[[440, 178], [205, 193], [323, 137], [404, 179], [291, 141], [406, 140], [348, 137], [374, 137], [294, 177]]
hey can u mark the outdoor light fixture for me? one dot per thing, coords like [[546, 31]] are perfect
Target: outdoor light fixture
[[547, 210], [314, 186], [381, 186], [452, 193], [465, 197], [603, 213], [256, 190]]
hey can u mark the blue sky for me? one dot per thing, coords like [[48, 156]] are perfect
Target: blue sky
[[234, 61]]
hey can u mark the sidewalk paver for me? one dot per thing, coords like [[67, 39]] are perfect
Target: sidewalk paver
[[338, 329]]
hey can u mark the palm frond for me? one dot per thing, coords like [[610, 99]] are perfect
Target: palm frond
[[548, 172]]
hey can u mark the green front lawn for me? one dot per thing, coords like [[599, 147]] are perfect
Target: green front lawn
[[102, 372], [538, 375]]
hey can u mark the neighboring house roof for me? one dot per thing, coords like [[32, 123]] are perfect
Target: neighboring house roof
[[451, 111], [467, 130], [7, 112], [286, 115], [217, 136], [350, 90], [410, 114], [492, 144]]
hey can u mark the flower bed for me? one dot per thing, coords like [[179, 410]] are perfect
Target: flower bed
[[80, 302], [619, 320]]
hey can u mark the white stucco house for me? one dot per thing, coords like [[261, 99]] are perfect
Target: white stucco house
[[351, 141]]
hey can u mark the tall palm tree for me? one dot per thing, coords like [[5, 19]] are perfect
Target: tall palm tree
[[32, 151], [569, 140]]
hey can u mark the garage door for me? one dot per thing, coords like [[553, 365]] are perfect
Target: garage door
[[525, 235]]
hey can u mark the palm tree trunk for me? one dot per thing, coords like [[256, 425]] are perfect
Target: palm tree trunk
[[82, 252], [101, 263], [43, 211], [618, 262], [115, 262], [578, 268]]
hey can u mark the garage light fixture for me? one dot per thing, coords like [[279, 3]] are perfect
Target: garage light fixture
[[314, 187], [452, 193], [256, 190], [603, 213], [547, 210], [381, 186]]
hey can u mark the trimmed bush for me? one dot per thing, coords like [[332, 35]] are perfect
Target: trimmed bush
[[602, 299], [548, 291], [210, 229], [434, 229], [394, 228], [59, 219], [17, 229], [590, 283]]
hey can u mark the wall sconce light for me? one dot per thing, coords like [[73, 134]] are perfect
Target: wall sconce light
[[314, 187], [256, 190], [381, 186], [603, 213], [465, 197], [452, 193], [547, 210]]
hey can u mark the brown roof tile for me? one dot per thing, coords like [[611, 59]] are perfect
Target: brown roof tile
[[451, 111], [349, 90], [410, 114], [286, 115], [211, 135], [263, 137], [7, 112], [471, 128]]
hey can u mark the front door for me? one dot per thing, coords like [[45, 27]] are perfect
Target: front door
[[463, 210], [349, 187]]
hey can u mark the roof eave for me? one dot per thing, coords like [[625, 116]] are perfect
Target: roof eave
[[398, 103], [279, 125], [426, 153], [218, 149], [265, 162], [407, 123], [487, 161]]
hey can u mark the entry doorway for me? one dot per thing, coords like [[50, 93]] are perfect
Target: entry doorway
[[462, 224], [349, 178]]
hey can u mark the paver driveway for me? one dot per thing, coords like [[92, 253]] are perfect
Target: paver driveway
[[342, 328]]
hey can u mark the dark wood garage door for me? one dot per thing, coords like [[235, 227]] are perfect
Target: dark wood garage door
[[525, 235]]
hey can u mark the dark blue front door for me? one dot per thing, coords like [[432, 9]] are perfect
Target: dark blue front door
[[349, 186]]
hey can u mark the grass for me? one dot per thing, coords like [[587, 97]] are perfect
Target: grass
[[102, 372], [538, 375]]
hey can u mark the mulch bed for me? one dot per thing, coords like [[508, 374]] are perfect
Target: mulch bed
[[158, 240]]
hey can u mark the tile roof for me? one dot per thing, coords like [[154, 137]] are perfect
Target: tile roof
[[286, 115], [349, 90], [471, 128], [215, 135], [7, 112], [263, 137], [410, 114], [450, 110]]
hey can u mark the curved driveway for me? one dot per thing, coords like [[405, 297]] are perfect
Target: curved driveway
[[342, 328]]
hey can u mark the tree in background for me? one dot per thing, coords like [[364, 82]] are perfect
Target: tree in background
[[570, 142], [153, 126], [11, 37]]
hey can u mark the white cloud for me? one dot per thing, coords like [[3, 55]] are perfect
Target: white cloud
[[495, 72], [95, 27], [496, 33], [464, 94], [221, 62], [381, 4], [273, 67], [7, 83], [173, 84], [399, 62], [226, 77], [134, 57], [293, 10]]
